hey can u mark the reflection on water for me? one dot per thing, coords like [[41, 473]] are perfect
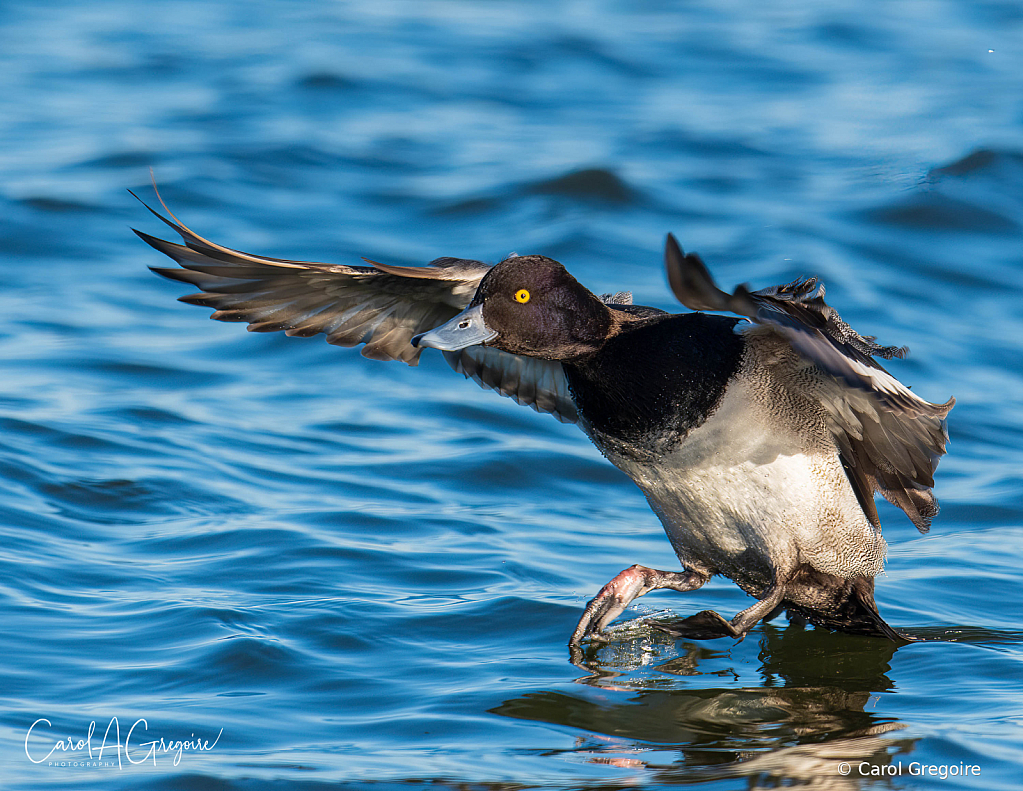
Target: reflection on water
[[810, 711]]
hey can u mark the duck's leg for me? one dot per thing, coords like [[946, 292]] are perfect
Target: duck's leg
[[708, 625], [632, 583]]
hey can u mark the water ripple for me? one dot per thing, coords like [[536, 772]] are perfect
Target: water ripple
[[366, 573]]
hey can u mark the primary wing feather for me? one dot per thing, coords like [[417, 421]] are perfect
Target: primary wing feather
[[378, 305]]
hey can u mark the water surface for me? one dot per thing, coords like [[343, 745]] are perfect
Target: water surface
[[359, 573]]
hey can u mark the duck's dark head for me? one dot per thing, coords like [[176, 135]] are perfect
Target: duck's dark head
[[527, 305]]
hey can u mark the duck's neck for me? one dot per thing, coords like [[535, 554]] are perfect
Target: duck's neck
[[657, 380]]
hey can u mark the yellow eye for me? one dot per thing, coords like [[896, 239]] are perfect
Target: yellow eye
[[522, 296]]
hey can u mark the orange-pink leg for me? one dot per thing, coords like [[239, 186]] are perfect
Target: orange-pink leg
[[632, 583]]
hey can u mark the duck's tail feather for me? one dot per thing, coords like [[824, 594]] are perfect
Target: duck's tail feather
[[842, 605]]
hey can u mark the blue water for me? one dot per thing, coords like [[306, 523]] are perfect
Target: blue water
[[334, 572]]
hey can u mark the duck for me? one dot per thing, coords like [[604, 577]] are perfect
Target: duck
[[759, 439]]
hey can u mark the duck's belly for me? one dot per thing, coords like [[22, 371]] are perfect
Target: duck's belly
[[749, 500]]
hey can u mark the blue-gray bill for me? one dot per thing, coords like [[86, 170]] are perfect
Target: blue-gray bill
[[465, 329]]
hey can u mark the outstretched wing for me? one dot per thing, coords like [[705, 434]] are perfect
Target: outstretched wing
[[889, 438], [380, 305]]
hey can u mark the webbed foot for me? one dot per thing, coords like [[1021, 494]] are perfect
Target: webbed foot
[[630, 584], [706, 625]]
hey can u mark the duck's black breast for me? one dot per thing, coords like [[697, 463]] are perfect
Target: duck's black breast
[[658, 380]]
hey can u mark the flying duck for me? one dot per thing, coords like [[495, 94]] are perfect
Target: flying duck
[[759, 441]]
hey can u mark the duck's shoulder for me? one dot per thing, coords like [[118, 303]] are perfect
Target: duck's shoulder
[[657, 377]]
